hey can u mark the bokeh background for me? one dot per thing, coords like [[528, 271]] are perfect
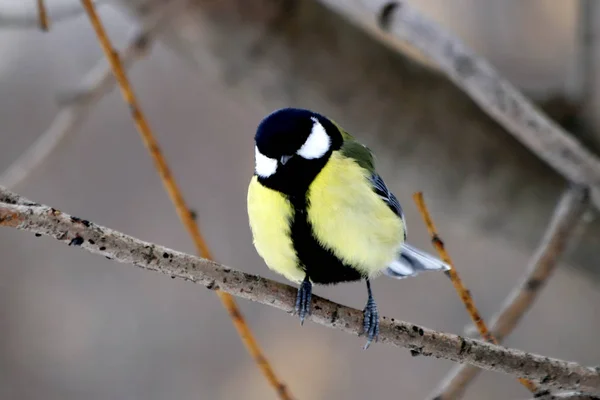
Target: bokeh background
[[75, 325]]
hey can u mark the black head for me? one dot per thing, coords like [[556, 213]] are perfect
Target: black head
[[292, 146]]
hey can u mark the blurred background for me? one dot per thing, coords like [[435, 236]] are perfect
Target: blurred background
[[76, 326]]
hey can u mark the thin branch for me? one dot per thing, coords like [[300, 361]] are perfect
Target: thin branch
[[77, 232], [14, 17], [43, 16], [560, 231], [178, 201], [144, 128], [93, 87], [398, 21], [463, 293], [461, 289], [572, 395]]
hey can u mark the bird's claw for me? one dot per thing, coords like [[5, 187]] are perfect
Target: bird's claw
[[370, 322], [303, 308]]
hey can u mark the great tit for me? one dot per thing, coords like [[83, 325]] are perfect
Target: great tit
[[320, 213]]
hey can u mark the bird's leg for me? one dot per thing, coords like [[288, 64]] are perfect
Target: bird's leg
[[370, 318], [303, 299]]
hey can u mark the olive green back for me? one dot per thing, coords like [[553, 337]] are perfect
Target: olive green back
[[357, 151]]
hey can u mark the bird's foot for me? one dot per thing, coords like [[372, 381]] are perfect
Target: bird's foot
[[303, 299], [370, 322]]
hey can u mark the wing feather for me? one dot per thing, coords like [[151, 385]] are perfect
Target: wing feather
[[388, 197]]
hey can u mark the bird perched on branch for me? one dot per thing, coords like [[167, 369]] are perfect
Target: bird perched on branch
[[320, 213]]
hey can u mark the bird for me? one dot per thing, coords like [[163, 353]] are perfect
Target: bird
[[320, 213]]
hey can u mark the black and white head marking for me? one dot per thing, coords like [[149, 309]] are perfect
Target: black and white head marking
[[292, 146], [317, 144], [264, 166]]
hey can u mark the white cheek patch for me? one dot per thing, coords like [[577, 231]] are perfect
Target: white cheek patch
[[317, 144], [263, 165]]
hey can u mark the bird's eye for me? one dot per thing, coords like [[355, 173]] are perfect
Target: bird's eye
[[284, 159]]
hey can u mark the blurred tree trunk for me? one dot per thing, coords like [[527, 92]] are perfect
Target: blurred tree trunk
[[428, 135]]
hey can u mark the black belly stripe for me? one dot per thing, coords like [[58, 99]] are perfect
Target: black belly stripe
[[320, 264]]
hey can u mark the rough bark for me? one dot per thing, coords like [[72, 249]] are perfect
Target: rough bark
[[19, 213]]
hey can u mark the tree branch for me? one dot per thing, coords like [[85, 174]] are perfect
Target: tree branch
[[176, 196], [44, 220], [573, 395], [93, 87], [565, 220], [463, 293], [18, 17], [397, 22], [42, 16]]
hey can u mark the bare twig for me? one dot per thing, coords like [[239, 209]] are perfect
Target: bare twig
[[398, 22], [77, 232], [565, 220], [572, 395], [177, 199], [95, 85], [461, 289], [12, 16], [43, 16]]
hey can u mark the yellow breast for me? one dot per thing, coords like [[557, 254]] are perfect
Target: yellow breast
[[270, 215], [349, 218]]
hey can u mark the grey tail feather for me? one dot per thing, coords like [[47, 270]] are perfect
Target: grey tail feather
[[412, 261]]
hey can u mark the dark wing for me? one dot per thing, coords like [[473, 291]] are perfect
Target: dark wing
[[386, 195]]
